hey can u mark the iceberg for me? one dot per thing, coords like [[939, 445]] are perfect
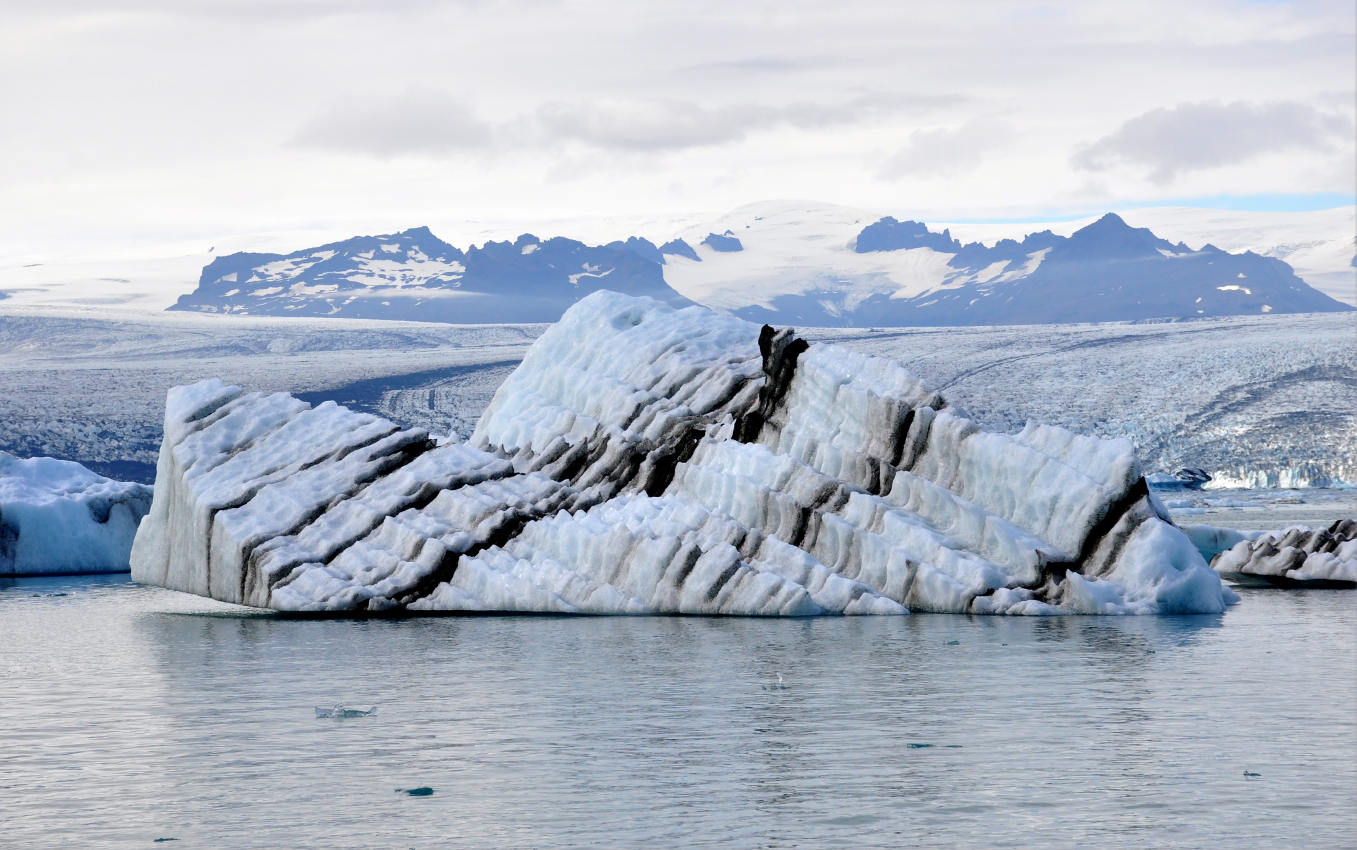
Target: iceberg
[[650, 460], [1295, 557], [59, 518]]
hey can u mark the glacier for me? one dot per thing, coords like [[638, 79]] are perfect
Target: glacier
[[1294, 556], [644, 459], [59, 518]]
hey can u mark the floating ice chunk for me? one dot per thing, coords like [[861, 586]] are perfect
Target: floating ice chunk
[[1211, 540], [1295, 556], [58, 517], [339, 712]]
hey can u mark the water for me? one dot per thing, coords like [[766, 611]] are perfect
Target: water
[[1263, 510], [129, 714]]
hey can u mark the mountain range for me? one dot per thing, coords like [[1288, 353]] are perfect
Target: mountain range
[[414, 275], [780, 264]]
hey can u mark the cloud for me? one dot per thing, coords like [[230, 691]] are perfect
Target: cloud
[[428, 122], [1195, 136], [244, 11], [647, 126], [948, 151], [419, 121]]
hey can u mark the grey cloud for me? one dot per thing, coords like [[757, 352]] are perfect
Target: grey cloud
[[435, 122], [948, 151], [656, 125], [413, 122], [673, 124], [244, 11], [1194, 136], [758, 64]]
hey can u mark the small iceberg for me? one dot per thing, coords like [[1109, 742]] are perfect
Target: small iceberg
[[1188, 478], [59, 518], [1295, 557], [338, 711]]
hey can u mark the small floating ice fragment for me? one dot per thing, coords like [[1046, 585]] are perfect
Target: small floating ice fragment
[[340, 712]]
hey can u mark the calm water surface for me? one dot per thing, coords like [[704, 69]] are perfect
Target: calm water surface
[[130, 713]]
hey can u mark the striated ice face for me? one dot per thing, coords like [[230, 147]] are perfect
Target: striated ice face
[[644, 459]]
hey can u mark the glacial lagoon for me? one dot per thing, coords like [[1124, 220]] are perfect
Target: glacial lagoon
[[133, 713]]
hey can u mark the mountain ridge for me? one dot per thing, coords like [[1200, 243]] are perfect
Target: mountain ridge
[[778, 268], [414, 275]]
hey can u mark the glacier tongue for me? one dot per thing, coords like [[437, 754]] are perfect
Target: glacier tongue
[[644, 459]]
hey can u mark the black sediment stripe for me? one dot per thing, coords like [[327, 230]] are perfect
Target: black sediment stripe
[[664, 460], [780, 350], [686, 557], [1051, 573], [420, 499], [401, 454], [900, 438], [9, 541], [509, 527], [721, 581]]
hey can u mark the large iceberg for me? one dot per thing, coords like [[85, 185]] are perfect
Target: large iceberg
[[57, 517], [644, 459]]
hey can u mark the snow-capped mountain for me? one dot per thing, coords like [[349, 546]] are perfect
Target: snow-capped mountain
[[832, 266], [415, 275], [784, 263]]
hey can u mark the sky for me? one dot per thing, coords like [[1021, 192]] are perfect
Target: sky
[[130, 123]]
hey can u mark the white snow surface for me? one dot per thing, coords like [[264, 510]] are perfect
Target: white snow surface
[[643, 459], [57, 517], [795, 247]]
